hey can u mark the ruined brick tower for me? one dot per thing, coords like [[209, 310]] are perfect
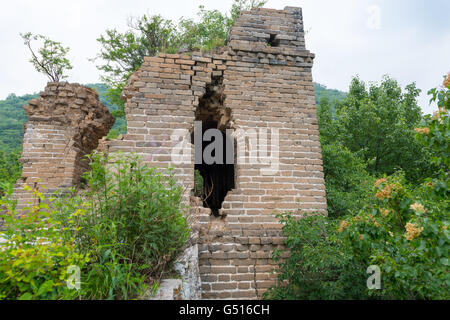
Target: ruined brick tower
[[259, 87], [63, 126], [260, 80]]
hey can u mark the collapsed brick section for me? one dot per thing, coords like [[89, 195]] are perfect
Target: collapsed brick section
[[64, 125], [265, 83]]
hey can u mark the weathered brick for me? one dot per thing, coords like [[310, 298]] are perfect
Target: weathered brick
[[246, 85]]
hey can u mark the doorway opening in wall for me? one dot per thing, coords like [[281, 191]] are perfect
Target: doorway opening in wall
[[214, 180]]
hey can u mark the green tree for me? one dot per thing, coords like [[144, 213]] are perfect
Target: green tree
[[346, 178], [50, 59], [377, 123], [10, 169], [400, 227], [123, 53], [348, 184]]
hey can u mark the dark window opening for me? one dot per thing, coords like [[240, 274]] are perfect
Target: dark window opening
[[273, 41], [218, 179]]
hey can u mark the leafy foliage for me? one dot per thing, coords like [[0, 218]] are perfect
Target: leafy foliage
[[436, 129], [35, 256], [122, 232], [50, 59], [131, 221], [319, 266], [368, 133], [406, 235], [10, 169], [347, 182], [123, 53], [377, 124], [398, 225]]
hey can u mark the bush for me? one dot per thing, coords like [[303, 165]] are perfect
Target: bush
[[400, 228], [407, 236], [132, 218], [347, 182], [122, 231], [406, 232], [10, 169], [319, 266], [35, 257]]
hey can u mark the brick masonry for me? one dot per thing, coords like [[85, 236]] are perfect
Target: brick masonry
[[63, 126], [262, 86], [260, 80]]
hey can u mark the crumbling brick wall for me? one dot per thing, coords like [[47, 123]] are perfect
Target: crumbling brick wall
[[261, 80], [63, 126]]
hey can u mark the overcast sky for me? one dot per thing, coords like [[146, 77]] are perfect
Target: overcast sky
[[407, 39]]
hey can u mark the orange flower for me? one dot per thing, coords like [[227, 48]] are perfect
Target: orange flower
[[412, 231], [417, 207], [380, 181], [436, 115], [385, 212], [344, 225], [385, 193], [425, 131]]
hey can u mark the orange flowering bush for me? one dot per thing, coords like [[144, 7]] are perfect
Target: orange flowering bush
[[399, 223], [406, 234]]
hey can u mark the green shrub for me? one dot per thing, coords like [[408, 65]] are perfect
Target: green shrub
[[407, 236], [347, 182], [35, 257], [198, 184], [406, 233], [123, 231], [131, 217], [10, 169], [319, 266]]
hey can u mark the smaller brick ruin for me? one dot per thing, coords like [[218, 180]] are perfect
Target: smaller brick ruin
[[64, 125]]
